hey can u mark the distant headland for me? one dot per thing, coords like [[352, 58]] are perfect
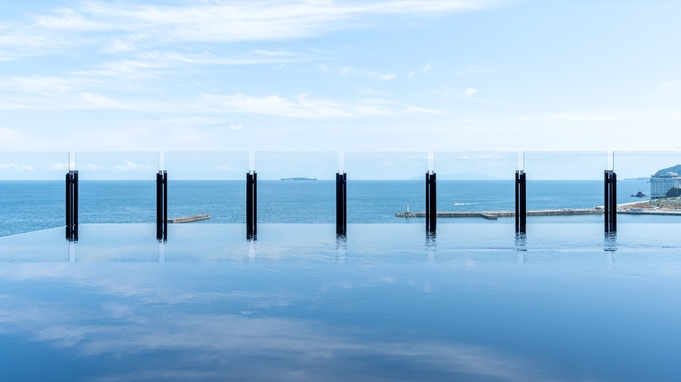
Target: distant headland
[[297, 179]]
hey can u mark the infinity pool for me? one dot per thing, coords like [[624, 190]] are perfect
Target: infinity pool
[[475, 303]]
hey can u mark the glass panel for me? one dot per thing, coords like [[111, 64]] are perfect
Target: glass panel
[[475, 182], [648, 186], [565, 181], [207, 183], [296, 187], [32, 191], [381, 184], [117, 187]]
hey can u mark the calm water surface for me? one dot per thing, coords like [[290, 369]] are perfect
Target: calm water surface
[[563, 304]]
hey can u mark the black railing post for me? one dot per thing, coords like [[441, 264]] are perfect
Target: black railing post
[[520, 202], [431, 203], [606, 201], [523, 203], [72, 206], [341, 204], [251, 206], [517, 202], [75, 205], [610, 201], [165, 205], [69, 215], [613, 201], [159, 210]]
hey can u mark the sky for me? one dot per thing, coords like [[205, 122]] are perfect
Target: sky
[[317, 75]]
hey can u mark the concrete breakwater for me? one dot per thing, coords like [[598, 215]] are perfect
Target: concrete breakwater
[[493, 215], [188, 219]]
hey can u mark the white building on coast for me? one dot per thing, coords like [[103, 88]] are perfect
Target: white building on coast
[[660, 184]]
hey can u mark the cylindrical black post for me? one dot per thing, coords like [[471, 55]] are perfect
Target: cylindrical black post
[[345, 203], [341, 204], [74, 201], [517, 201], [72, 205], [520, 202], [69, 215], [159, 206], [433, 203], [610, 201], [165, 205], [523, 202], [613, 202], [427, 202], [249, 206], [255, 205], [606, 201]]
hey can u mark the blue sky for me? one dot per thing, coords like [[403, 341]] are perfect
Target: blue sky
[[389, 75]]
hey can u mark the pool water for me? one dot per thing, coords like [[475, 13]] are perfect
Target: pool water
[[475, 303]]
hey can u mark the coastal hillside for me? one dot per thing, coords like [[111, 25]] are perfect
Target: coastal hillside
[[676, 169]]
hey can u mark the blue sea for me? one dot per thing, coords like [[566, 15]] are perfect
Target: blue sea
[[34, 205]]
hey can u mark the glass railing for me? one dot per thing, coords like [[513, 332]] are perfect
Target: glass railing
[[478, 185], [207, 184], [296, 187], [381, 184], [32, 186], [299, 187], [117, 187], [571, 182]]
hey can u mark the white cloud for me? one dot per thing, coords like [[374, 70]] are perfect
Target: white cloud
[[671, 85], [301, 107], [7, 134], [348, 70], [469, 92], [150, 64], [16, 167], [426, 68], [43, 85], [238, 20], [60, 166], [130, 166], [416, 109]]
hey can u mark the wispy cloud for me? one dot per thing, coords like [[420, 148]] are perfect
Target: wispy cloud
[[43, 85], [466, 93], [301, 107], [121, 26], [306, 107], [671, 85], [348, 70]]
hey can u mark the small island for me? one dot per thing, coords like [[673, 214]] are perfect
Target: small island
[[297, 179]]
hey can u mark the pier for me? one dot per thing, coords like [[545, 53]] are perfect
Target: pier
[[493, 215], [188, 219]]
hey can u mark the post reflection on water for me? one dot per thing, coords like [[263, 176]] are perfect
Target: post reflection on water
[[306, 305]]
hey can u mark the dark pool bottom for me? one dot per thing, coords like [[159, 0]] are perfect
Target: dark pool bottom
[[473, 304]]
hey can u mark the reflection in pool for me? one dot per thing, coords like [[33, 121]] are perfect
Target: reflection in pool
[[564, 304]]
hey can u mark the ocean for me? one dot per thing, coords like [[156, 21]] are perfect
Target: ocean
[[27, 206]]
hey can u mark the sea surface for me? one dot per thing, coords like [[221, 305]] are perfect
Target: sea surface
[[27, 206], [299, 304]]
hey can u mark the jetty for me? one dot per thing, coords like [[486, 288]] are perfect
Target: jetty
[[493, 215], [188, 219]]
